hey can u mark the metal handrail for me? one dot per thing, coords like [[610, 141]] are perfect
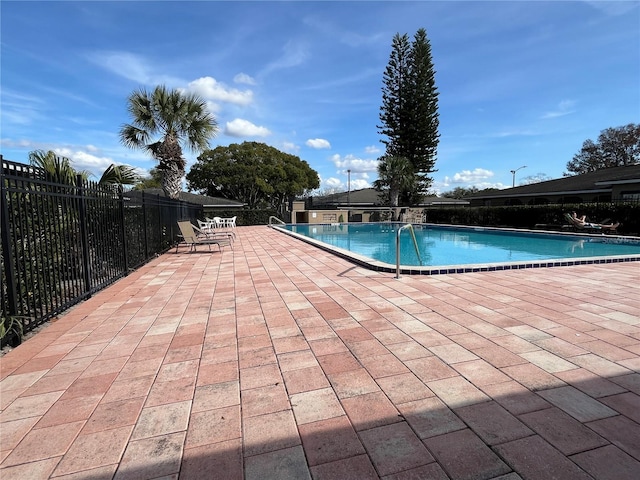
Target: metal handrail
[[415, 243], [276, 219]]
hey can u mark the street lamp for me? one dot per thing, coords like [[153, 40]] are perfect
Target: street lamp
[[513, 172], [349, 188]]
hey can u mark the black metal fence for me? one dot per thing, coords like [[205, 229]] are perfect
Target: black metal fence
[[61, 243]]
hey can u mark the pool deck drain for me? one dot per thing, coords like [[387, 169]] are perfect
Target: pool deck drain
[[278, 360]]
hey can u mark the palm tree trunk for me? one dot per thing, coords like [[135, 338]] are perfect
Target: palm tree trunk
[[171, 164], [172, 180]]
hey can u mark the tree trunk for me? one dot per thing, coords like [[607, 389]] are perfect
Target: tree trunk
[[394, 196], [172, 165], [172, 181]]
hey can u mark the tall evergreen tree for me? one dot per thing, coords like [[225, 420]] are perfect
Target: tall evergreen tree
[[395, 95], [409, 111], [423, 129]]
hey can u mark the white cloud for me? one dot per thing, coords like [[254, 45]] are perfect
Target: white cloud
[[132, 67], [348, 37], [513, 133], [359, 183], [354, 163], [244, 79], [244, 128], [20, 109], [21, 144], [294, 54], [332, 182], [448, 183], [565, 107], [469, 176], [210, 89], [82, 160], [612, 8], [318, 143], [290, 147], [372, 149], [337, 185]]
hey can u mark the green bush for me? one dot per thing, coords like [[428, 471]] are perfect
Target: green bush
[[528, 216], [246, 217]]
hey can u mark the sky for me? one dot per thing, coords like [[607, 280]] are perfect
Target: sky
[[522, 84]]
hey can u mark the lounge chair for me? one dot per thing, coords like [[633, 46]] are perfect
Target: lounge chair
[[212, 232], [191, 238], [581, 225]]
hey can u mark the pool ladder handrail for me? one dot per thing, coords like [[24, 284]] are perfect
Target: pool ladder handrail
[[272, 217], [415, 243]]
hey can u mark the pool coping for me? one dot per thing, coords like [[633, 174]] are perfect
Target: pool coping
[[379, 266]]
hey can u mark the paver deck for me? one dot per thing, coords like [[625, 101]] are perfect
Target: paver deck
[[277, 360]]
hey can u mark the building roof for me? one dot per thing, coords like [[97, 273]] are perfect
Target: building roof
[[204, 200], [355, 198], [591, 182], [368, 197]]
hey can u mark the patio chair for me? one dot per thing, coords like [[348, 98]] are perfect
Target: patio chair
[[204, 226], [212, 232], [230, 222], [223, 223], [191, 238], [213, 222], [581, 225]]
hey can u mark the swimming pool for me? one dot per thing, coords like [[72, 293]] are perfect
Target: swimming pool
[[454, 249]]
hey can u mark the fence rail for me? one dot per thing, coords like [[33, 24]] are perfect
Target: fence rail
[[61, 243]]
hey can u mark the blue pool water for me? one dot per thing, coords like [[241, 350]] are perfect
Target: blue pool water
[[444, 245]]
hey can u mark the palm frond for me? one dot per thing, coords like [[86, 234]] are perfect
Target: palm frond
[[56, 167], [119, 175]]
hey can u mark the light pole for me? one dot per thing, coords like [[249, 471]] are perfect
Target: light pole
[[349, 188], [513, 172]]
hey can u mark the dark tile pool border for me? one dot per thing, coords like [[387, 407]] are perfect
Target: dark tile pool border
[[472, 268]]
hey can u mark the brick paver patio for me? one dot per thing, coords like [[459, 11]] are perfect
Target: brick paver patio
[[280, 361]]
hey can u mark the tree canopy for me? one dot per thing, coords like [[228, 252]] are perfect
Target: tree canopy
[[58, 169], [119, 175], [460, 192], [409, 111], [395, 174], [165, 121], [254, 173], [615, 147]]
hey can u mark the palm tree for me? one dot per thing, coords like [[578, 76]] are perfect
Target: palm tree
[[395, 174], [59, 170], [57, 167], [180, 119], [119, 175]]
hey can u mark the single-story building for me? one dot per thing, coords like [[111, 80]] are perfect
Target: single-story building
[[369, 197], [210, 205], [363, 205], [606, 185]]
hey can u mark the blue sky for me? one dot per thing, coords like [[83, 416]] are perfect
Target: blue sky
[[520, 83]]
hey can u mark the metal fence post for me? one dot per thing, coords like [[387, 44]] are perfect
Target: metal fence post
[[87, 237], [7, 251], [123, 233], [84, 233], [144, 227]]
